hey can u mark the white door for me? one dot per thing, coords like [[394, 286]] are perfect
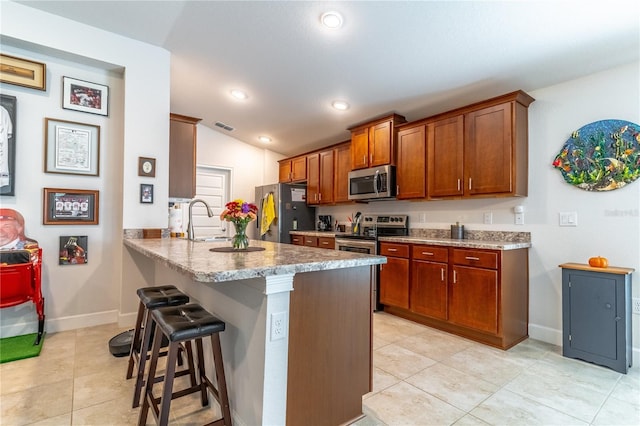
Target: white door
[[213, 186]]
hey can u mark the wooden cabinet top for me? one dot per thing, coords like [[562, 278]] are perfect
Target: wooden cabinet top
[[396, 118], [184, 118], [608, 270]]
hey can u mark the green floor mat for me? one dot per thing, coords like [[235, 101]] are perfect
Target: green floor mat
[[19, 347]]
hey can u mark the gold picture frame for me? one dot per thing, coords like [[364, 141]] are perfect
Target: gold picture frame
[[23, 72]]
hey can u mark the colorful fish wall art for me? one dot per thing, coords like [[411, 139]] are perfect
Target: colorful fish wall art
[[601, 156]]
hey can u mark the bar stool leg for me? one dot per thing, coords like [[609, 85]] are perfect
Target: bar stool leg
[[202, 376], [148, 391], [135, 342], [142, 357], [222, 383], [167, 390]]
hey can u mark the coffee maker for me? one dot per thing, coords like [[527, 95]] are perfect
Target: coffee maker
[[324, 222]]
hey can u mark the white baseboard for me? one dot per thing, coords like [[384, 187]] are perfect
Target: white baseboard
[[545, 334], [60, 324]]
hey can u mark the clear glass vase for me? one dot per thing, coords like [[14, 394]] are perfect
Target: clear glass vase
[[240, 241]]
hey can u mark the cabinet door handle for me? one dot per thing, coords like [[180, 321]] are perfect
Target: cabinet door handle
[[472, 258], [320, 196], [392, 249], [364, 159], [469, 183], [442, 274], [458, 184], [455, 276], [427, 253], [398, 189]]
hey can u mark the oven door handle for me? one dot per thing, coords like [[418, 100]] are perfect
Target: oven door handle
[[376, 182]]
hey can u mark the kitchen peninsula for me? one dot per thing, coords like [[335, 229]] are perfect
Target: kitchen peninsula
[[297, 345]]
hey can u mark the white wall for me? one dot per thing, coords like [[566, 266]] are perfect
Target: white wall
[[138, 125], [556, 113]]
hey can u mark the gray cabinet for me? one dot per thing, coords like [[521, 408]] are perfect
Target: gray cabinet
[[596, 315]]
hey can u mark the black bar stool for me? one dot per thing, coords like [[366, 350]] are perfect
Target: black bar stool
[[150, 298], [182, 325]]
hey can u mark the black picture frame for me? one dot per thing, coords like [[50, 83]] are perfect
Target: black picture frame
[[74, 250], [8, 156], [146, 193], [85, 96]]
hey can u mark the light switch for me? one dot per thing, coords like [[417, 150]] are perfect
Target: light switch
[[568, 219]]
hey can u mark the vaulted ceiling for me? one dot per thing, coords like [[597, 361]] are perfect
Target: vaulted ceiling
[[416, 58]]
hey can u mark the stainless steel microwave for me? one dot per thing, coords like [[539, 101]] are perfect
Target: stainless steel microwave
[[374, 183]]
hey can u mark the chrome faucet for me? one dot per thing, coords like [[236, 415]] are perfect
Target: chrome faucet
[[190, 234]]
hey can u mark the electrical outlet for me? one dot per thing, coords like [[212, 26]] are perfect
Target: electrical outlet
[[519, 219], [278, 325], [488, 218], [636, 305]]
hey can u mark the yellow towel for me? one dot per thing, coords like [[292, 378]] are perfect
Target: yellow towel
[[268, 213]]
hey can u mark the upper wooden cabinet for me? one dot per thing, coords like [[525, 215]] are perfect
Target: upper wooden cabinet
[[342, 159], [293, 170], [478, 151], [182, 156], [320, 175], [411, 164], [445, 150], [373, 143]]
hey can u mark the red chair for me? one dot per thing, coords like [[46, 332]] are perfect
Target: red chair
[[20, 282]]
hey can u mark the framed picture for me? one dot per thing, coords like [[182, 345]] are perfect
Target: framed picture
[[146, 166], [146, 193], [84, 96], [23, 72], [71, 148], [70, 207], [8, 129], [74, 250]]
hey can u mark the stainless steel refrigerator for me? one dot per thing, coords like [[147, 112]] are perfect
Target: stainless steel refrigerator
[[291, 211]]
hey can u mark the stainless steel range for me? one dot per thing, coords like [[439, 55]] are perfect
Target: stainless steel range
[[366, 240]]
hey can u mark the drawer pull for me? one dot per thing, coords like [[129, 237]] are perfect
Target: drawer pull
[[472, 258], [392, 249], [427, 253]]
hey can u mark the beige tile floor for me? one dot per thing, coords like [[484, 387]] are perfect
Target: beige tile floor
[[422, 377]]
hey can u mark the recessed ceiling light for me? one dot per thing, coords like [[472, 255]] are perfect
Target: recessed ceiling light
[[239, 94], [264, 139], [331, 20], [340, 105]]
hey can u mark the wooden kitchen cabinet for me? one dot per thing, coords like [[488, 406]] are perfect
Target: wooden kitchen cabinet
[[373, 143], [411, 171], [485, 295], [596, 315], [496, 147], [342, 158], [445, 161], [429, 281], [394, 275], [310, 241], [320, 177], [292, 170], [297, 240], [327, 243], [182, 156]]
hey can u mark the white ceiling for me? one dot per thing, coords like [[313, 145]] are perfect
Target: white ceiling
[[415, 58]]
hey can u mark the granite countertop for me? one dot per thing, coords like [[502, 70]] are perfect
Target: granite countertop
[[195, 259], [465, 243], [493, 240]]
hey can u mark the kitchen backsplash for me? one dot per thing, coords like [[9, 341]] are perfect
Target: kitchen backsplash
[[516, 237]]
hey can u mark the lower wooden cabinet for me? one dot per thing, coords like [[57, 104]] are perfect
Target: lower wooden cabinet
[[476, 293], [429, 278], [394, 275], [313, 241]]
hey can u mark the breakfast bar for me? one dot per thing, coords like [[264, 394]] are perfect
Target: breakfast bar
[[297, 345]]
